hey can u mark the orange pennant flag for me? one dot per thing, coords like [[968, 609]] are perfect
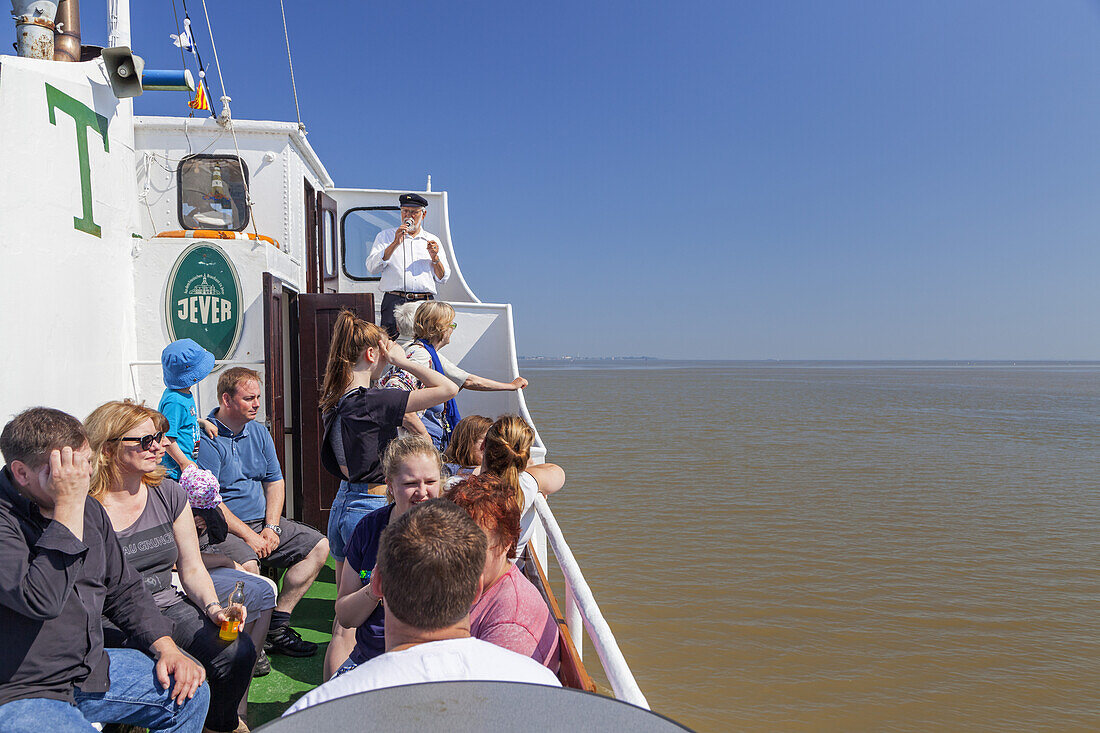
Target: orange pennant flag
[[200, 101]]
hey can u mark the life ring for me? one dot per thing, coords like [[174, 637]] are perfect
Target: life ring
[[216, 234]]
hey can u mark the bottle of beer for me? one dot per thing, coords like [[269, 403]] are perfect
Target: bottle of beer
[[232, 624]]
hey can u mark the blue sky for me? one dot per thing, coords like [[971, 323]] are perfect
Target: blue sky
[[714, 179]]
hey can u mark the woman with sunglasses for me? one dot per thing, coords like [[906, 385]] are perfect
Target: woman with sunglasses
[[432, 323], [155, 527]]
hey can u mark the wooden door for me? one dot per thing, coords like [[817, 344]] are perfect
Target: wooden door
[[316, 318], [313, 251], [328, 251], [274, 300]]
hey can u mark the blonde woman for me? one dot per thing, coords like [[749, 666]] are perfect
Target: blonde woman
[[153, 521], [507, 453], [432, 327], [259, 592], [414, 473]]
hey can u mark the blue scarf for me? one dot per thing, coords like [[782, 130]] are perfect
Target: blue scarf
[[450, 407]]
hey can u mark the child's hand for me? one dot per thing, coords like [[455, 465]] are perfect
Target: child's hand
[[209, 428]]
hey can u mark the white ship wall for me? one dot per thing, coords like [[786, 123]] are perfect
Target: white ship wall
[[66, 303], [484, 342], [278, 164]]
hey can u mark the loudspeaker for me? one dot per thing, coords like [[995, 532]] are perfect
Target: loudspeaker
[[124, 70]]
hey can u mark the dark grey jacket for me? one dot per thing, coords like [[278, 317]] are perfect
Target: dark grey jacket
[[54, 590]]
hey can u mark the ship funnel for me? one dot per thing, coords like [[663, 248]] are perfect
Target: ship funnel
[[34, 27], [66, 34]]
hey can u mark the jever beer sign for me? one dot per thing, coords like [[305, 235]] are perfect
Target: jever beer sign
[[203, 300]]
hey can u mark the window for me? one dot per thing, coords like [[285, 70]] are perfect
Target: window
[[328, 218], [212, 193], [360, 227]]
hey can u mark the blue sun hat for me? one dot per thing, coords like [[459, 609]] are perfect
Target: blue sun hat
[[185, 364]]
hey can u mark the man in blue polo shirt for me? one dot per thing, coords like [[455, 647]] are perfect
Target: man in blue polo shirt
[[243, 458]]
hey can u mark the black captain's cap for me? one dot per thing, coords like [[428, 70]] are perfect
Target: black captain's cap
[[413, 199]]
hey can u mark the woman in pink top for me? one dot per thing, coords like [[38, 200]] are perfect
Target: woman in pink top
[[510, 611]]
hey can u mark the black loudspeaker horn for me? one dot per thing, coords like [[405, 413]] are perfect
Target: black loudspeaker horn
[[124, 70]]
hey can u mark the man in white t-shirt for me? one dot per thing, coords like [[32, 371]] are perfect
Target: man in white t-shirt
[[428, 623]]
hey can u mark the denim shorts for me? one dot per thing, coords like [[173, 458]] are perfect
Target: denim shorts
[[347, 666], [351, 504]]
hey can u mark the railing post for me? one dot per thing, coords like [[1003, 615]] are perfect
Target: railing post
[[603, 641], [537, 543], [573, 620]]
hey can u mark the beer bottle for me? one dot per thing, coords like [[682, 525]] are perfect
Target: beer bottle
[[232, 624]]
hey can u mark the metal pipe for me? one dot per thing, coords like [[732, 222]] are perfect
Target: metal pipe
[[118, 23], [66, 32], [34, 28]]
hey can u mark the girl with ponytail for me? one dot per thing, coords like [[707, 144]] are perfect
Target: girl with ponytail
[[360, 420], [507, 452]]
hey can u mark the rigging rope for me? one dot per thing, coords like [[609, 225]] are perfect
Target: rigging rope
[[226, 99], [214, 47], [290, 60], [176, 17], [194, 50]]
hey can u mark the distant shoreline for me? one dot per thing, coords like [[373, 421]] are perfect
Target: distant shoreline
[[655, 361]]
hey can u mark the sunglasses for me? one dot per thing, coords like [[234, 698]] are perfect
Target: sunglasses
[[454, 325], [146, 441]]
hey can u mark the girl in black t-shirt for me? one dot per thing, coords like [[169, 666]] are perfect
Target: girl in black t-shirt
[[360, 421]]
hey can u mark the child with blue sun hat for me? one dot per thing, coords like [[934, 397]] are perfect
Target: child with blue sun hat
[[184, 364]]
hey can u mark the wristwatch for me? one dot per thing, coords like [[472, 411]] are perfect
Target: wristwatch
[[274, 528]]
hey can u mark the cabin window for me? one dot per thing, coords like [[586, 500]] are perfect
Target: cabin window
[[360, 227], [212, 192], [328, 222]]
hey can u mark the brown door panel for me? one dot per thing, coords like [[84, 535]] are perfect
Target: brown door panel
[[313, 251], [273, 300], [317, 313]]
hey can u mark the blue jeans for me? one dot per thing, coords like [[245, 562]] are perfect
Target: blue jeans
[[135, 697], [351, 504]]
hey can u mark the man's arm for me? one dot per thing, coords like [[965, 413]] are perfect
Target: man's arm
[[440, 271], [172, 662], [383, 248], [274, 490], [258, 543], [36, 584], [36, 581], [275, 494]]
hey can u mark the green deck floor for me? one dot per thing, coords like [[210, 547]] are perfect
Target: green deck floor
[[292, 677]]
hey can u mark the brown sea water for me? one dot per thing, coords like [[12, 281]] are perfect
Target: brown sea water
[[839, 546]]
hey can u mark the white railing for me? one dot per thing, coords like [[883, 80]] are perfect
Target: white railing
[[580, 607]]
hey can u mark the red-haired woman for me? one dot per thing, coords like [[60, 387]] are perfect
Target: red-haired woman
[[510, 611]]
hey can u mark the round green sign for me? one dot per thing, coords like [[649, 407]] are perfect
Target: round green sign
[[203, 300]]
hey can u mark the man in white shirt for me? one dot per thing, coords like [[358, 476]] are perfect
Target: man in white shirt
[[428, 621], [409, 259]]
